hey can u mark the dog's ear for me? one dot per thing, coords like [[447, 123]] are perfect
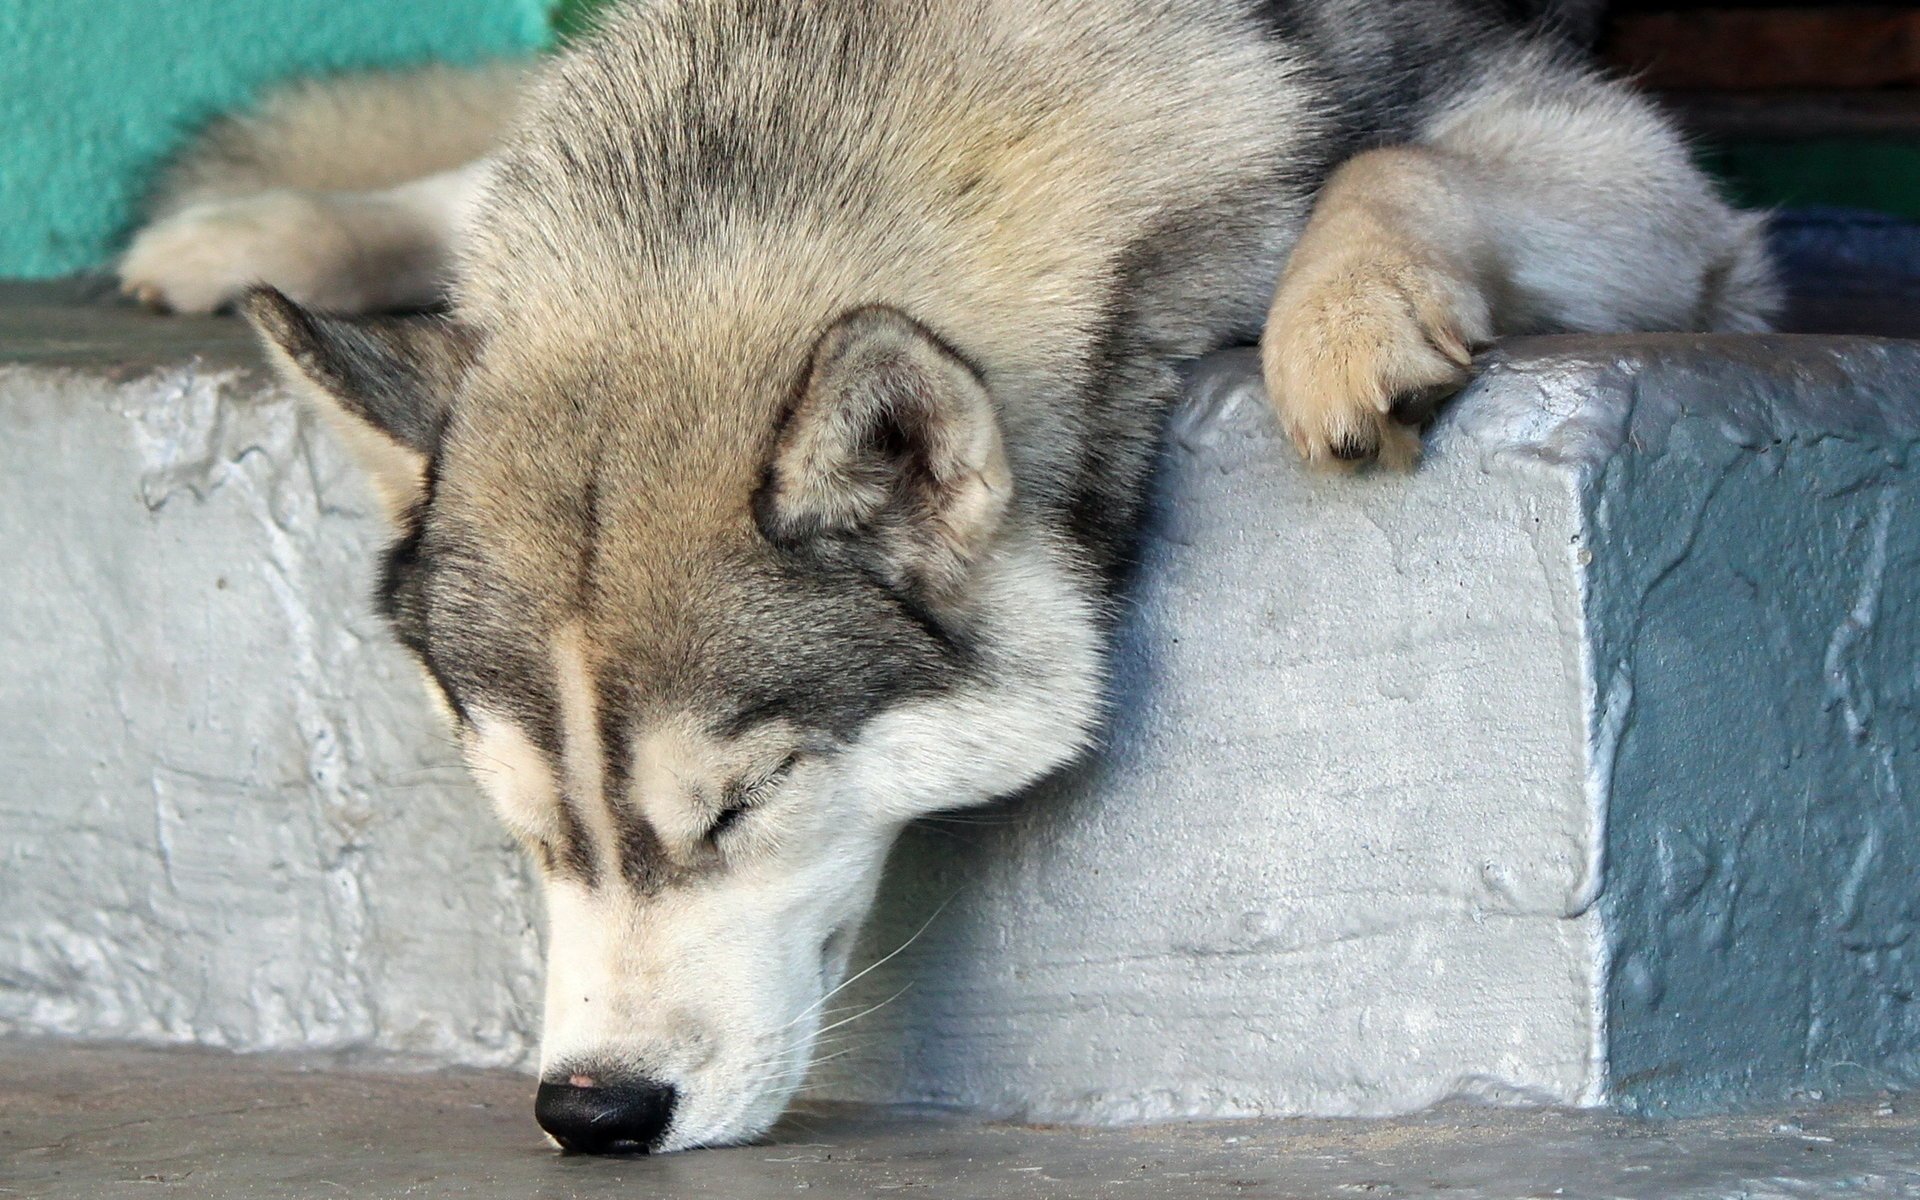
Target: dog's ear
[[387, 381], [893, 445]]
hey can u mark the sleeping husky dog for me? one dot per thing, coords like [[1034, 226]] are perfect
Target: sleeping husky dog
[[766, 478]]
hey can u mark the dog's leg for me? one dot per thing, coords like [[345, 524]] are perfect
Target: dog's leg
[[1541, 199], [342, 251]]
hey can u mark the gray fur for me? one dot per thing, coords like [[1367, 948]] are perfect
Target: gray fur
[[783, 447]]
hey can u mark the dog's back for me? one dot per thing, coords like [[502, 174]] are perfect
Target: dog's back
[[1076, 194]]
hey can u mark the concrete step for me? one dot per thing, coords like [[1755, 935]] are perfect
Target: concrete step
[[1576, 768], [112, 1123]]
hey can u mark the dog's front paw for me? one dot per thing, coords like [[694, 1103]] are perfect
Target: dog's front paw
[[1359, 349], [205, 257]]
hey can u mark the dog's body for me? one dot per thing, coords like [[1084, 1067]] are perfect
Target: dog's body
[[770, 479]]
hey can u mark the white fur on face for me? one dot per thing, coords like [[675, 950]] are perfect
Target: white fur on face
[[717, 983], [1032, 710], [515, 776], [715, 987]]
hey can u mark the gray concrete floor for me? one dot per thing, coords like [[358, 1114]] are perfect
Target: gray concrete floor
[[101, 1123]]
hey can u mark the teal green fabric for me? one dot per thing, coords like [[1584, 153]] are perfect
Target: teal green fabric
[[574, 17], [95, 93], [1880, 173]]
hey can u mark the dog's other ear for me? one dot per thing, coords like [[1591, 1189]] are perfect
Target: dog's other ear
[[892, 446], [386, 381]]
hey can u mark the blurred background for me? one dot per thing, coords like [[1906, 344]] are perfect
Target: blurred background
[[1809, 108]]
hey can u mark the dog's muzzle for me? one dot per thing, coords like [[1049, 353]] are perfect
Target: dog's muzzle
[[624, 1117]]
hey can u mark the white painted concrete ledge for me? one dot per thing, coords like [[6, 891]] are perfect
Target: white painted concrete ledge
[[1578, 767]]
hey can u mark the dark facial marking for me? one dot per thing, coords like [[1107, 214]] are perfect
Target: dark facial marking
[[740, 795], [589, 525], [643, 860], [574, 856], [469, 669], [400, 598], [728, 818]]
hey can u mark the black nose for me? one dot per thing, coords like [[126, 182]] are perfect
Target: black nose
[[620, 1118]]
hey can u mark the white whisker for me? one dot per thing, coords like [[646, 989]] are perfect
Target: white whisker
[[870, 968], [867, 1012]]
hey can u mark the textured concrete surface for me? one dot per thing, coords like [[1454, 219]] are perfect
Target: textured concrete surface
[[1335, 858], [1754, 633], [1570, 770], [1637, 633], [230, 816], [91, 1124], [93, 96]]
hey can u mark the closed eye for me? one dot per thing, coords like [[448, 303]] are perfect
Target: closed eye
[[742, 796]]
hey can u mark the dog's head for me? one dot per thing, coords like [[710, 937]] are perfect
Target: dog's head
[[709, 641]]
